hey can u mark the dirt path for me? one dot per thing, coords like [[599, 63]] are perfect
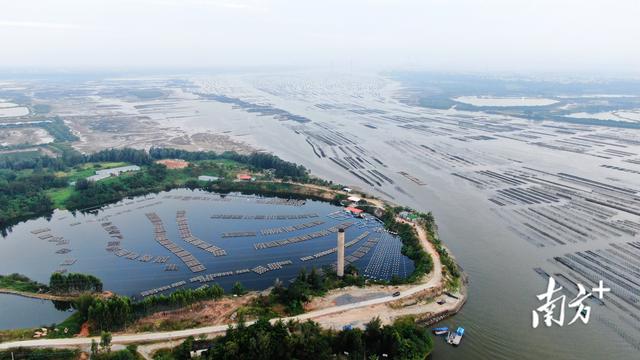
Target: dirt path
[[410, 302], [36, 295], [331, 192], [415, 299], [210, 312], [429, 248], [147, 350]]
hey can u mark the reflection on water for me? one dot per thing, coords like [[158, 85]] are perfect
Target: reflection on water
[[20, 312], [150, 242]]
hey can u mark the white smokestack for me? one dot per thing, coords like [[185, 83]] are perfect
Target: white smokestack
[[340, 248]]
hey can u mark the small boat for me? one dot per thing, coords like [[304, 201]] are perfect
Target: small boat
[[440, 331], [454, 338]]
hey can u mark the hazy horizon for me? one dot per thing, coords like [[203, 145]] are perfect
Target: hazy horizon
[[459, 35]]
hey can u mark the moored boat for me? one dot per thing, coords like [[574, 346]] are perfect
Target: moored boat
[[440, 331], [454, 338]]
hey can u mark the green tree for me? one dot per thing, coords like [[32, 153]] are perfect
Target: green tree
[[94, 347], [183, 351], [238, 289], [58, 283], [105, 341]]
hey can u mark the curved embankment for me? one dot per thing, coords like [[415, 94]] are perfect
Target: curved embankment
[[36, 295]]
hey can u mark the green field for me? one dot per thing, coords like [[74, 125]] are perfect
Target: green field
[[59, 196], [225, 169], [85, 170]]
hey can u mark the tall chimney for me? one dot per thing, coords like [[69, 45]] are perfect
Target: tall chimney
[[340, 248]]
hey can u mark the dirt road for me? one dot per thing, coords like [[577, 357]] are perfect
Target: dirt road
[[333, 316], [36, 295]]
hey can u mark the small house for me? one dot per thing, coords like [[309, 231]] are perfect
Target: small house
[[353, 211], [354, 199]]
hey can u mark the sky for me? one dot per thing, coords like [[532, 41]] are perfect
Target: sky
[[449, 35]]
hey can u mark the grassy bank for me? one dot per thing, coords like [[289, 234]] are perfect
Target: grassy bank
[[20, 282], [72, 324]]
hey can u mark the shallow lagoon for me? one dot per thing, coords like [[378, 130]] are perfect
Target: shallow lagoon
[[19, 312], [24, 252], [504, 101]]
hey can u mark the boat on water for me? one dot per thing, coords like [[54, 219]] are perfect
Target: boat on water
[[454, 338], [440, 331]]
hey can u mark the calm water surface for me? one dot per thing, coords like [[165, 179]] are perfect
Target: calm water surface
[[24, 252]]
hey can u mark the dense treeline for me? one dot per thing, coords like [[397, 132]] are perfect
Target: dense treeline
[[23, 195], [70, 158], [74, 283], [176, 299], [299, 291], [258, 160], [91, 194], [290, 300], [282, 189], [59, 130], [109, 314], [411, 246], [308, 284], [116, 312], [67, 157], [134, 156], [307, 340]]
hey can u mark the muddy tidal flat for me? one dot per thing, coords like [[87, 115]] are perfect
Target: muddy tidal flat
[[519, 195]]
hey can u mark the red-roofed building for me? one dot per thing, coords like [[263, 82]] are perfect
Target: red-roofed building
[[245, 177], [353, 210]]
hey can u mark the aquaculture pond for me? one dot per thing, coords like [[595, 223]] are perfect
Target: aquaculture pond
[[184, 238], [19, 312]]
